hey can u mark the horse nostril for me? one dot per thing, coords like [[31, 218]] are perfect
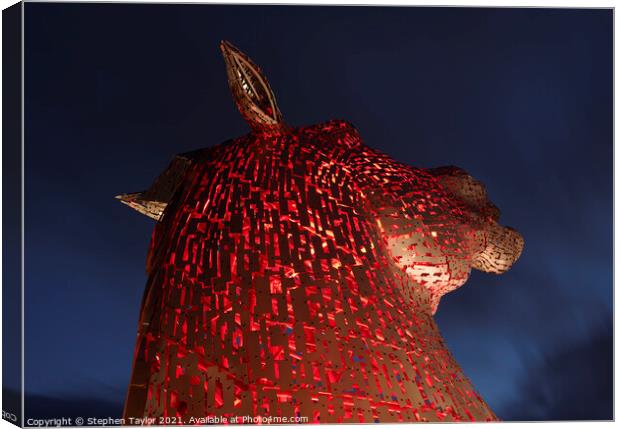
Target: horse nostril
[[504, 247], [492, 212]]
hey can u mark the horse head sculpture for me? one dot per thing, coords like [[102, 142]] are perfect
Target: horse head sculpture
[[294, 274]]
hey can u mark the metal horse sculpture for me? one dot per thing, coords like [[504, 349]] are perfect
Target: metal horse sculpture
[[294, 273]]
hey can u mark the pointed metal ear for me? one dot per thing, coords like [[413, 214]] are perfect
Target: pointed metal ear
[[251, 90]]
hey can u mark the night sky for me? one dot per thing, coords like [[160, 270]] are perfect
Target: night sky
[[520, 98]]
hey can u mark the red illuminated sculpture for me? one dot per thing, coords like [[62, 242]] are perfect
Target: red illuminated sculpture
[[294, 272]]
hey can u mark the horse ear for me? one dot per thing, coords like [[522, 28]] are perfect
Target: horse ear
[[251, 91]]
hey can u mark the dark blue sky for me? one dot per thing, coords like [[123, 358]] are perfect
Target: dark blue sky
[[520, 98]]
